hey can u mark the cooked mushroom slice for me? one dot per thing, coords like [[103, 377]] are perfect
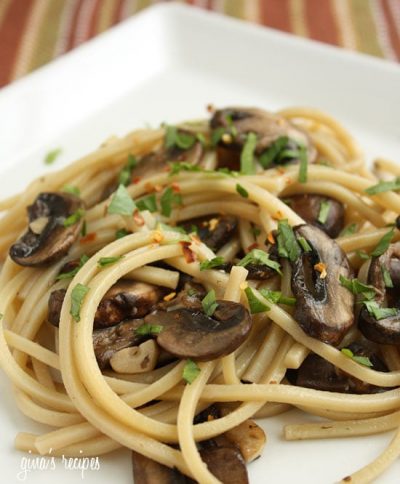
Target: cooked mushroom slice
[[189, 333], [47, 239], [226, 463], [319, 374], [324, 308], [158, 161], [148, 471], [136, 359], [387, 329], [215, 231], [127, 299], [268, 127], [107, 341], [189, 296], [309, 208]]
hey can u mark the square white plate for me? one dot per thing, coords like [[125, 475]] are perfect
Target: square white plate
[[167, 64]]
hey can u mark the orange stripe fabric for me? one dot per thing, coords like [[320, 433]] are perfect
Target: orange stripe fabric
[[33, 32]]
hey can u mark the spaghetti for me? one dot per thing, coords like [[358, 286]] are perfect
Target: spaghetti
[[149, 208]]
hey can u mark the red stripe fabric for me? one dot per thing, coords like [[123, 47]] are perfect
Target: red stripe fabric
[[393, 32], [276, 14], [320, 21]]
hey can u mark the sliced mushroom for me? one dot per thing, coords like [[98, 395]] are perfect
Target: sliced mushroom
[[136, 359], [107, 341], [214, 231], [158, 161], [319, 374], [47, 239], [268, 127], [324, 308], [308, 207], [148, 471], [226, 464], [387, 329], [125, 299], [189, 333]]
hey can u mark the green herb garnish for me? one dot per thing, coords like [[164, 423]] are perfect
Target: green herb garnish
[[247, 166], [121, 202], [190, 371], [210, 264], [387, 279], [241, 191], [276, 297], [303, 168], [168, 199], [255, 305], [107, 261], [147, 203], [258, 256], [209, 303], [51, 156], [273, 151], [77, 296], [324, 209], [362, 360], [362, 254], [178, 138], [148, 329], [125, 175], [349, 230], [120, 233], [74, 218], [356, 287], [71, 274], [383, 244], [384, 186], [379, 313], [287, 242], [71, 189]]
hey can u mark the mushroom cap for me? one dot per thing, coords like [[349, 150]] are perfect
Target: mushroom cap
[[54, 240], [324, 308], [307, 206], [189, 333], [148, 471], [387, 330], [214, 231], [226, 464]]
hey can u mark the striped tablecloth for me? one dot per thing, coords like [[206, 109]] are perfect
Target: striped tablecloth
[[33, 32]]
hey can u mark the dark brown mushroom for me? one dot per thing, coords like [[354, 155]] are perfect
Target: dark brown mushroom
[[189, 333], [308, 207], [324, 308], [125, 299], [268, 127], [47, 238], [214, 231], [148, 471], [385, 330], [189, 296], [226, 464], [107, 341], [319, 374]]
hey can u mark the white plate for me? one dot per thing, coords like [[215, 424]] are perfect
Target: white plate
[[167, 64]]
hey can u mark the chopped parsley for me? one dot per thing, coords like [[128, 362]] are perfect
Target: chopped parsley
[[303, 168], [362, 254], [71, 274], [209, 303], [304, 244], [362, 360], [120, 233], [383, 244], [217, 134], [247, 166], [168, 199], [71, 189], [190, 371], [147, 203], [51, 156], [255, 305], [324, 209], [379, 313], [256, 231], [178, 166], [107, 261], [84, 229], [386, 277], [384, 186], [77, 296], [356, 287], [276, 297], [74, 218], [349, 230], [258, 256], [273, 152], [287, 242], [241, 191], [121, 202], [125, 174], [148, 329], [180, 139], [169, 228], [210, 264]]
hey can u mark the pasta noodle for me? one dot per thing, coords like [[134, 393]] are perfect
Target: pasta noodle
[[149, 226]]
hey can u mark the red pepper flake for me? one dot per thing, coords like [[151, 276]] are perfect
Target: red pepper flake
[[90, 237], [169, 296], [158, 236], [188, 254], [271, 238], [136, 179], [252, 246], [138, 219], [278, 215], [322, 269], [167, 168], [175, 187]]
